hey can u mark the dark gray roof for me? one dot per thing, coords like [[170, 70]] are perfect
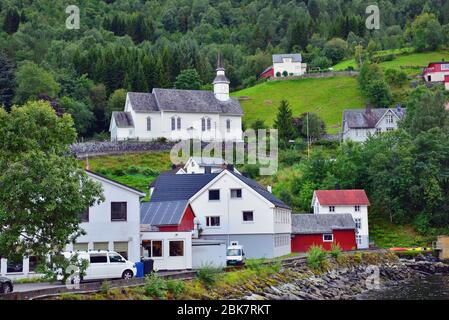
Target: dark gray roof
[[163, 213], [261, 190], [123, 119], [296, 57], [199, 101], [367, 118], [172, 187], [321, 223], [143, 102]]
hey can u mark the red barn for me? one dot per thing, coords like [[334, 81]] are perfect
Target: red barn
[[436, 71], [322, 230], [267, 73], [168, 216]]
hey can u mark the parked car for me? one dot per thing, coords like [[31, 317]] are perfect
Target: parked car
[[235, 255], [6, 285], [104, 264]]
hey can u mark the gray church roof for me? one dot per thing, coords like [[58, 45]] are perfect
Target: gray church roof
[[162, 213], [368, 118], [321, 223], [296, 57], [199, 101], [123, 119], [143, 102]]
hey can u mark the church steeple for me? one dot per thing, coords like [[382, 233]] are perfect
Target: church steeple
[[221, 83]]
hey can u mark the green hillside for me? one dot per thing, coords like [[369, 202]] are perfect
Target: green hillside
[[326, 96], [404, 60]]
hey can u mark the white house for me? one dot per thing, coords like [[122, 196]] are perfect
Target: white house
[[436, 71], [112, 225], [359, 124], [196, 165], [288, 63], [231, 207], [180, 114], [354, 202]]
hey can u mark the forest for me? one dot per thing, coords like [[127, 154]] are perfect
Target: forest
[[135, 45]]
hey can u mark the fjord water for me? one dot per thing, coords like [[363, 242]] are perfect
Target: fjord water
[[431, 287]]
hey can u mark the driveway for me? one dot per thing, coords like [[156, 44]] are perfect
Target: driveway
[[22, 287]]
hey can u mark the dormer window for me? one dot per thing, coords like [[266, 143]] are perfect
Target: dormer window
[[389, 118]]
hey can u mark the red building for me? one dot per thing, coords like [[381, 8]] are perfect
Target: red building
[[322, 230], [436, 71], [267, 73], [168, 216]]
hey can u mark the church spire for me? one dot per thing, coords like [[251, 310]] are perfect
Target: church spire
[[219, 61], [221, 83]]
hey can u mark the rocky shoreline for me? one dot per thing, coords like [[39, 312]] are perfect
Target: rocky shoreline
[[349, 283]]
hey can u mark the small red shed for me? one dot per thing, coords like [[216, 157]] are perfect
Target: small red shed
[[436, 71], [168, 216], [322, 230], [267, 73]]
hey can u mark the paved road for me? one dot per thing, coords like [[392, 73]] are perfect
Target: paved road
[[22, 287]]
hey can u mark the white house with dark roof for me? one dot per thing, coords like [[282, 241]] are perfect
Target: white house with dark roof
[[180, 114], [197, 165], [359, 124], [230, 207], [290, 63]]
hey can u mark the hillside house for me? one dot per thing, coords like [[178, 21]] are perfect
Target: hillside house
[[353, 202], [111, 225], [323, 230], [288, 63], [359, 124], [230, 207], [267, 73], [436, 71], [197, 165], [446, 82], [180, 114]]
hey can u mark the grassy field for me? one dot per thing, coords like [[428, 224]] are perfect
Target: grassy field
[[326, 96], [403, 60]]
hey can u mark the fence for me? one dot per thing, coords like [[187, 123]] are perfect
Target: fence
[[326, 74]]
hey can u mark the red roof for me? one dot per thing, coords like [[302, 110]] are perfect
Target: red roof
[[342, 197], [446, 78]]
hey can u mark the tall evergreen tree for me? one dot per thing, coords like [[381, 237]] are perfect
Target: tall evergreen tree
[[7, 81], [284, 124], [12, 21]]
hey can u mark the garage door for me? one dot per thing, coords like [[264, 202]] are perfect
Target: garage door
[[80, 246], [121, 248], [101, 246]]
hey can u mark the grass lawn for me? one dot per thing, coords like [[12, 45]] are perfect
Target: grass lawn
[[405, 60], [326, 96], [136, 170]]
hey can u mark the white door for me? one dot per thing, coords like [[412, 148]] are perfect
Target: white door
[[176, 255], [98, 266]]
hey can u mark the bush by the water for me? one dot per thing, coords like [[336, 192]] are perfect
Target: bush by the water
[[155, 286], [335, 250], [208, 274], [316, 257]]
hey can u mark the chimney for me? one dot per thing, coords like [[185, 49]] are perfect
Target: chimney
[[221, 83], [269, 189]]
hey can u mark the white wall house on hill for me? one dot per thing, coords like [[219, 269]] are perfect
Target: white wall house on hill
[[290, 64], [180, 114], [359, 124], [353, 202]]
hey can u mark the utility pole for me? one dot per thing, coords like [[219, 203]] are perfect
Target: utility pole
[[308, 139]]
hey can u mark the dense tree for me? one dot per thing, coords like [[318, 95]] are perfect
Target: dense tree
[[12, 21], [43, 190], [335, 50], [378, 94], [116, 102], [188, 79], [284, 124], [33, 81], [426, 32], [369, 73], [82, 115], [7, 81], [309, 125]]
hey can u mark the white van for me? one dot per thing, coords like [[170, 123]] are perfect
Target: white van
[[104, 264], [235, 256]]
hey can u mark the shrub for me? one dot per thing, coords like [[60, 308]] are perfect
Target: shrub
[[335, 250], [208, 274], [316, 257], [285, 73], [105, 287], [289, 157], [176, 287], [156, 286], [278, 74]]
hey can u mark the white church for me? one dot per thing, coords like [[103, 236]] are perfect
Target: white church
[[180, 114]]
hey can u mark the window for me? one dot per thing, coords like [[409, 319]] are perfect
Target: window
[[378, 130], [173, 124], [116, 258], [358, 223], [14, 266], [176, 248], [248, 216], [148, 124], [357, 208], [208, 124], [121, 248], [119, 211], [214, 195], [212, 221], [101, 246], [80, 246], [85, 216], [228, 125], [328, 237], [178, 122], [358, 239], [331, 208], [98, 258], [236, 193], [153, 248], [33, 262], [389, 118], [203, 124], [390, 129]]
